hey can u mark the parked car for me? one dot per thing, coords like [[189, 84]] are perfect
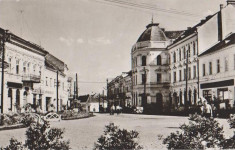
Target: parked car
[[139, 110]]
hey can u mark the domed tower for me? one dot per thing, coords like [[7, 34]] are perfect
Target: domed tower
[[150, 63]]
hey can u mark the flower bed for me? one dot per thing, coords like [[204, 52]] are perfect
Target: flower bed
[[70, 115]]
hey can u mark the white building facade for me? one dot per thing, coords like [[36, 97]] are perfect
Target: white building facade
[[25, 77]]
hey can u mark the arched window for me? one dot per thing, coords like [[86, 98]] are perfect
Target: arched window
[[143, 60], [159, 60]]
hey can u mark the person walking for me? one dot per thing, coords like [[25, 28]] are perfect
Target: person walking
[[207, 110]]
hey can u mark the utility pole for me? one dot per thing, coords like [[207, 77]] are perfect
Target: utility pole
[[107, 92], [103, 98], [76, 85], [3, 58], [144, 96], [99, 102], [186, 92], [57, 90]]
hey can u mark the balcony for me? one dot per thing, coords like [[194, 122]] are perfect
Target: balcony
[[31, 78]]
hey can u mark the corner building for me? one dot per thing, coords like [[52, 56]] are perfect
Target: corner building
[[150, 69]]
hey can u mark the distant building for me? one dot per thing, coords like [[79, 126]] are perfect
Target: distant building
[[30, 76], [150, 65]]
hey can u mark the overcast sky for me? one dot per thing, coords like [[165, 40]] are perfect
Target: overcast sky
[[94, 37]]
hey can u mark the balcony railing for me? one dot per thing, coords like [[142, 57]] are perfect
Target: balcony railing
[[31, 78]]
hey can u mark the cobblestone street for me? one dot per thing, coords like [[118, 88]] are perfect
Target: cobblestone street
[[83, 133]]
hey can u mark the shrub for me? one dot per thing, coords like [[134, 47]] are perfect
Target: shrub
[[27, 119], [39, 136], [199, 133], [115, 138], [10, 119], [14, 145]]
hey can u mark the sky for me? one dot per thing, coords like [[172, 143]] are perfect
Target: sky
[[94, 37]]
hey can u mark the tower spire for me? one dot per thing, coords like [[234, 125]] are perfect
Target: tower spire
[[152, 19]]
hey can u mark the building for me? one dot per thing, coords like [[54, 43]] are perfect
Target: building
[[31, 75], [217, 73], [188, 71], [150, 65]]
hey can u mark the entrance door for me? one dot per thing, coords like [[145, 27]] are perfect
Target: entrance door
[[48, 102], [159, 102], [18, 100]]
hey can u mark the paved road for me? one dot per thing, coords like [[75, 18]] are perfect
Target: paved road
[[83, 133]]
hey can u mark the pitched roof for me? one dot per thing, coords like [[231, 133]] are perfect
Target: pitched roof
[[230, 40], [83, 98], [54, 63], [192, 30], [173, 34]]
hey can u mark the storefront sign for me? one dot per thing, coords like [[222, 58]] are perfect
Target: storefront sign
[[217, 84]]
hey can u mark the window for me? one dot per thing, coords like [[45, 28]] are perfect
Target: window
[[136, 61], [136, 79], [189, 51], [174, 57], [24, 67], [203, 69], [218, 66], [50, 82], [226, 64], [159, 77], [143, 60], [9, 61], [184, 53], [28, 68], [17, 66], [210, 68], [194, 72], [174, 76], [179, 54], [144, 78], [159, 60], [184, 74], [194, 48], [40, 70], [34, 69], [46, 81], [180, 75], [54, 83], [189, 72]]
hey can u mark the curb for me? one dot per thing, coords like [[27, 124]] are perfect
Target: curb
[[18, 126]]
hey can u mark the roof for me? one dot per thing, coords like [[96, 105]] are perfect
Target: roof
[[152, 33], [192, 30], [54, 63], [16, 40], [173, 34], [83, 98], [230, 40]]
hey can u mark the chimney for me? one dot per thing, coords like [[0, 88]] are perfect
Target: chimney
[[220, 26], [221, 6], [163, 29], [232, 2]]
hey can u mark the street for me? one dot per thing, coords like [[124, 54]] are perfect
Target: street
[[83, 133]]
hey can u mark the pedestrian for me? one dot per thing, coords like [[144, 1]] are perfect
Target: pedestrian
[[207, 110]]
